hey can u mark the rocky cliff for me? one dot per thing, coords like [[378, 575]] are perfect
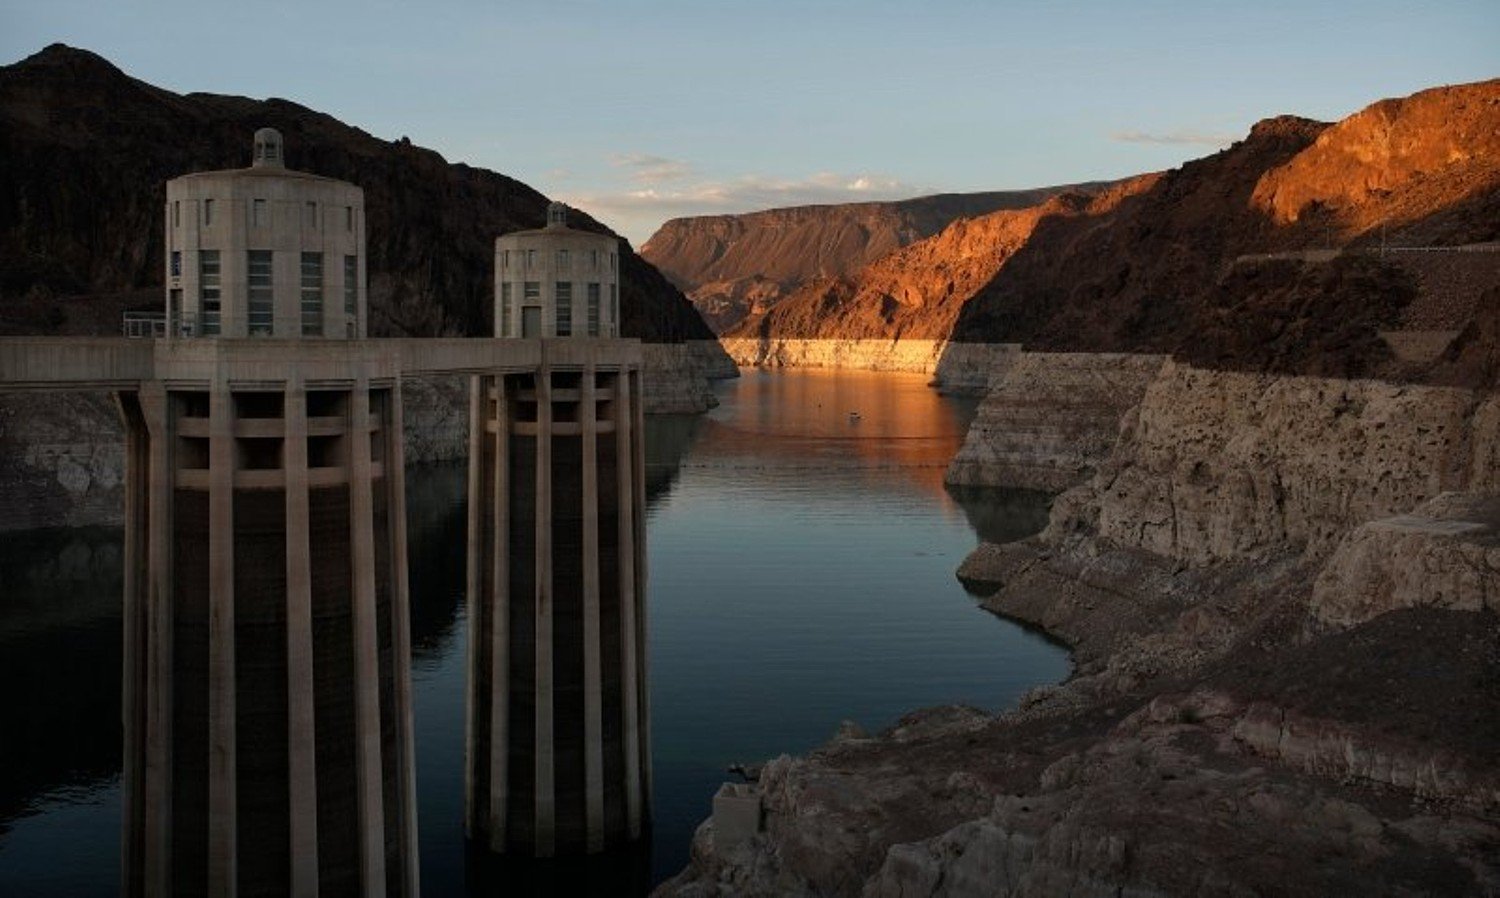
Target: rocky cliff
[[1156, 272], [88, 148], [1280, 596], [1048, 420], [914, 292], [736, 265]]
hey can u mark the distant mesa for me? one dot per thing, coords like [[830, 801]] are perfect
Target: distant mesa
[[734, 266]]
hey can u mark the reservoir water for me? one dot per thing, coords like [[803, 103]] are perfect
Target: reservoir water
[[802, 551]]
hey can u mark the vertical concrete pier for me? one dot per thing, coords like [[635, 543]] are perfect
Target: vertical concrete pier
[[267, 711], [557, 723]]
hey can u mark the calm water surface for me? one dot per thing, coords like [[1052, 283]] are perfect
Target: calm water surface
[[801, 568]]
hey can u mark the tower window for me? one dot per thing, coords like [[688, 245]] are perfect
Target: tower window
[[349, 218], [531, 258], [177, 213], [351, 290], [563, 293], [312, 216], [208, 291], [614, 304], [258, 213], [260, 294], [312, 294], [593, 311], [176, 263], [562, 260], [208, 212], [505, 302]]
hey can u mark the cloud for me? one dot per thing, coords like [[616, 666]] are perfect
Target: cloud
[[748, 193], [646, 168], [644, 203], [1195, 138]]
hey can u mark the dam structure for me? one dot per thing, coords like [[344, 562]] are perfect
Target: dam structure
[[267, 715], [557, 733]]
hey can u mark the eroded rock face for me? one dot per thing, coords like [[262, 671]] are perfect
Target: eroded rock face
[[1048, 420], [1445, 554], [62, 461], [869, 355], [677, 376], [1224, 465]]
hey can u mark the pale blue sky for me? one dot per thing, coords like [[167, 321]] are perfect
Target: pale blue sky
[[640, 110]]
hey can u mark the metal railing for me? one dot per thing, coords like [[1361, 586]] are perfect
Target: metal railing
[[155, 326]]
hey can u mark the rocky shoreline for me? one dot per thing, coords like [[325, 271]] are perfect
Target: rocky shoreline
[[957, 368], [1281, 594]]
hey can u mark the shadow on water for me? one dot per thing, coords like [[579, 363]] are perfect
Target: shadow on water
[[669, 438], [60, 601], [437, 540], [1002, 515], [612, 874]]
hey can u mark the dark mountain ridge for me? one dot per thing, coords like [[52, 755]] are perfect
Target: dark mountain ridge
[[88, 149]]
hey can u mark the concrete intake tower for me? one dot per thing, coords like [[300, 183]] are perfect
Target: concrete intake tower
[[558, 735], [267, 699]]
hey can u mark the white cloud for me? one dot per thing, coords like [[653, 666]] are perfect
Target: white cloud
[[646, 168], [748, 193], [659, 188], [1195, 138]]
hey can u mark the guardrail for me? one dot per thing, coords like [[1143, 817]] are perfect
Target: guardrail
[[154, 325]]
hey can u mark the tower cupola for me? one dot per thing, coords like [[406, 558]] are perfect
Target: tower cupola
[[268, 149]]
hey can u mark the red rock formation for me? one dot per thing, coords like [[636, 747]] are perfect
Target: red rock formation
[[1157, 273], [916, 292], [1394, 164], [732, 266]]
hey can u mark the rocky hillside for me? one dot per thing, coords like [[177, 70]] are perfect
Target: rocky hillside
[[737, 265], [87, 150], [917, 291], [1157, 272], [1299, 249]]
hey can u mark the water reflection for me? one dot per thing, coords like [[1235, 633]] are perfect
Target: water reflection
[[436, 538], [809, 422], [60, 601], [802, 569], [668, 440], [1000, 515], [612, 874]]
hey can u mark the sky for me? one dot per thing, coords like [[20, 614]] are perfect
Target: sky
[[638, 111]]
